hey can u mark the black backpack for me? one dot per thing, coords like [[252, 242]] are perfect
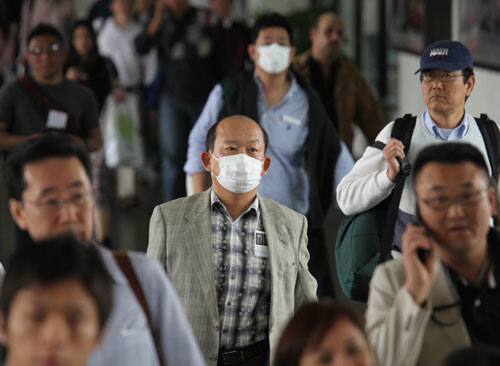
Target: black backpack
[[364, 240]]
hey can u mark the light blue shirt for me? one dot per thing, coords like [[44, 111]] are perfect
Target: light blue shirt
[[287, 127], [127, 339], [444, 134]]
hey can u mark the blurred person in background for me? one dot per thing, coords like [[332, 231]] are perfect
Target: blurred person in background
[[116, 41], [324, 333], [55, 301], [86, 66], [346, 95], [45, 99], [187, 52], [231, 38]]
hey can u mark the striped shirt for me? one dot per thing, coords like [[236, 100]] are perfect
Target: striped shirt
[[241, 274]]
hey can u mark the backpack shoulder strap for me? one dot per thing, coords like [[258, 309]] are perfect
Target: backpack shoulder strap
[[123, 261], [491, 137], [402, 130]]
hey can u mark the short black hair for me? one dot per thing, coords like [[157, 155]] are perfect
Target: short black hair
[[43, 29], [269, 21], [449, 153], [48, 145], [55, 260], [212, 132], [317, 17]]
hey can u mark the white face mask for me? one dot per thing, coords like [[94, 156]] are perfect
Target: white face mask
[[239, 173], [274, 58]]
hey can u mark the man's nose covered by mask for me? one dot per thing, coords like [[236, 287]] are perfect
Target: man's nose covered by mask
[[274, 58], [239, 173]]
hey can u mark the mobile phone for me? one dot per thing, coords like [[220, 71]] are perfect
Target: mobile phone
[[422, 253]]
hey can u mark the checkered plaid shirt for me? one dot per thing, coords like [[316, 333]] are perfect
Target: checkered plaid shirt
[[242, 278]]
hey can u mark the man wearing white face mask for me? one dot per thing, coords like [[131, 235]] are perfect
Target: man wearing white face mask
[[237, 260], [309, 158]]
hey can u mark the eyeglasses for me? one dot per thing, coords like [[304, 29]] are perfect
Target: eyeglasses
[[440, 203], [55, 204], [50, 50], [444, 77]]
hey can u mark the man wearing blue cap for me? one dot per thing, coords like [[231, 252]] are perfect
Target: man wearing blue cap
[[447, 80]]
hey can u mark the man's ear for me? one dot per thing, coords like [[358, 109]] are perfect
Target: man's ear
[[17, 212], [206, 161], [3, 330], [252, 52], [266, 165], [470, 85], [492, 198]]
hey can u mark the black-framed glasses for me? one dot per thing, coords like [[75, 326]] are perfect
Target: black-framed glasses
[[443, 317], [443, 202], [50, 49], [444, 77]]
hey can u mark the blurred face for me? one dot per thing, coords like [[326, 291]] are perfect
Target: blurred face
[[176, 6], [455, 203], [343, 345], [57, 200], [221, 7], [46, 58], [326, 38], [236, 135], [82, 41], [445, 98], [122, 8], [55, 325]]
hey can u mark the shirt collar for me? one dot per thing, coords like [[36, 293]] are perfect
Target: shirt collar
[[215, 203], [294, 88], [456, 134]]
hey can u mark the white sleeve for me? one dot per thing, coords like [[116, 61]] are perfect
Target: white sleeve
[[367, 183]]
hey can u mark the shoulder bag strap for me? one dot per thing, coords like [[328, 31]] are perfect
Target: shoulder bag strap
[[491, 137], [403, 131], [123, 261]]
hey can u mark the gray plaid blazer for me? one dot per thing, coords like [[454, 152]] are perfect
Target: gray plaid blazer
[[180, 238]]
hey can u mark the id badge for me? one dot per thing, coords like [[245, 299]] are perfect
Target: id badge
[[57, 119], [261, 248]]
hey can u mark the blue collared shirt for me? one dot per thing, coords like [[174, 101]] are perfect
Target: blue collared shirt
[[287, 126], [444, 134], [127, 339]]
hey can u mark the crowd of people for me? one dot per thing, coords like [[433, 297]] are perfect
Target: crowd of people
[[237, 272]]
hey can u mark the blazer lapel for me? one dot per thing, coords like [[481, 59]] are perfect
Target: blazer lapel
[[277, 241], [443, 293], [198, 237]]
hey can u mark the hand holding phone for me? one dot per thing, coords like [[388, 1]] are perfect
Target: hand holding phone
[[422, 253]]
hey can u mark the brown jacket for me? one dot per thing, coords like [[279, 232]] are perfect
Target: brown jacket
[[354, 101]]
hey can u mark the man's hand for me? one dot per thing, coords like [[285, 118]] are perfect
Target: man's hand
[[393, 150], [418, 275], [158, 17]]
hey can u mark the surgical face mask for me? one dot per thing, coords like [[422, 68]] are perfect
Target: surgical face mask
[[239, 173], [273, 58]]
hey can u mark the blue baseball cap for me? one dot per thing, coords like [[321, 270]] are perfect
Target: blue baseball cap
[[445, 55]]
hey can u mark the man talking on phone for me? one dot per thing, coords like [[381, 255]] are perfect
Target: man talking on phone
[[443, 293]]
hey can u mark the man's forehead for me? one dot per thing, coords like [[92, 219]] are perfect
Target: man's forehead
[[330, 19], [275, 32], [240, 131], [44, 39], [55, 171], [444, 176]]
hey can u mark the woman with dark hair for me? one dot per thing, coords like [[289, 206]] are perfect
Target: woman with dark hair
[[85, 65], [324, 333]]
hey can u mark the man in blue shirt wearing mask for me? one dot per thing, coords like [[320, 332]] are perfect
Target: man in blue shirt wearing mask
[[309, 158]]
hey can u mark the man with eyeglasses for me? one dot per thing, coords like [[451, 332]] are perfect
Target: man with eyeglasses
[[443, 293], [45, 100], [50, 194], [447, 80]]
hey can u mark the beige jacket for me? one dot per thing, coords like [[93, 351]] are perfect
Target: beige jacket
[[180, 237], [400, 331]]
